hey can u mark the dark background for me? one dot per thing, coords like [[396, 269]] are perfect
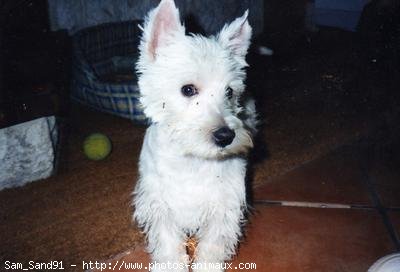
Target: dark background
[[35, 62]]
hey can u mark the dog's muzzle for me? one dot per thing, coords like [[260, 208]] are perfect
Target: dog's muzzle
[[223, 136]]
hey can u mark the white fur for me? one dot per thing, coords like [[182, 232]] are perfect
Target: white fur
[[188, 185]]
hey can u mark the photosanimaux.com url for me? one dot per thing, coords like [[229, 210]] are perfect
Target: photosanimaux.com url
[[122, 265], [168, 266]]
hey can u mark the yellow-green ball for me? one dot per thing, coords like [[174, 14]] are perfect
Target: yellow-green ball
[[97, 146]]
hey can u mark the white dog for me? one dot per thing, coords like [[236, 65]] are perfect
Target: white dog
[[193, 165]]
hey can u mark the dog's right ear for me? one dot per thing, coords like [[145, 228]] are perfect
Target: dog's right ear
[[161, 25], [236, 36]]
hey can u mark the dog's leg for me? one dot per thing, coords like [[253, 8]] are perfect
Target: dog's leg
[[167, 247], [217, 241]]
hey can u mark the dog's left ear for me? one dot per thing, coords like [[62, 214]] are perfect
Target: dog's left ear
[[161, 26], [236, 35]]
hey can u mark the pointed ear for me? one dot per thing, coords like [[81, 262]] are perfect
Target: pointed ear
[[161, 24], [236, 35]]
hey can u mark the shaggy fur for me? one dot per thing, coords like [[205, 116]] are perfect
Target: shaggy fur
[[190, 186]]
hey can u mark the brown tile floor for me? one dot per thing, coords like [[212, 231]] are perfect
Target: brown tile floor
[[335, 178], [307, 239], [299, 238]]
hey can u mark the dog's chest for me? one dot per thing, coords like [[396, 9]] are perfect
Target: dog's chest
[[196, 190], [191, 188], [193, 182]]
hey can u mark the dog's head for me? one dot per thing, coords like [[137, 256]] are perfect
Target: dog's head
[[191, 85]]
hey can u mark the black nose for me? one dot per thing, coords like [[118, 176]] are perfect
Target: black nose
[[223, 136]]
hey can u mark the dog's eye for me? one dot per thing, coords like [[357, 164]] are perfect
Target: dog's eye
[[189, 90], [229, 92]]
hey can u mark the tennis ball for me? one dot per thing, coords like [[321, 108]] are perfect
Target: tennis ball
[[97, 146]]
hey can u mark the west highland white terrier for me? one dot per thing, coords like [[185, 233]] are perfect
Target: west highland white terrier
[[193, 160]]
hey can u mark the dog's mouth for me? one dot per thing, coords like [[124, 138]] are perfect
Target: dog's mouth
[[215, 143], [237, 144]]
